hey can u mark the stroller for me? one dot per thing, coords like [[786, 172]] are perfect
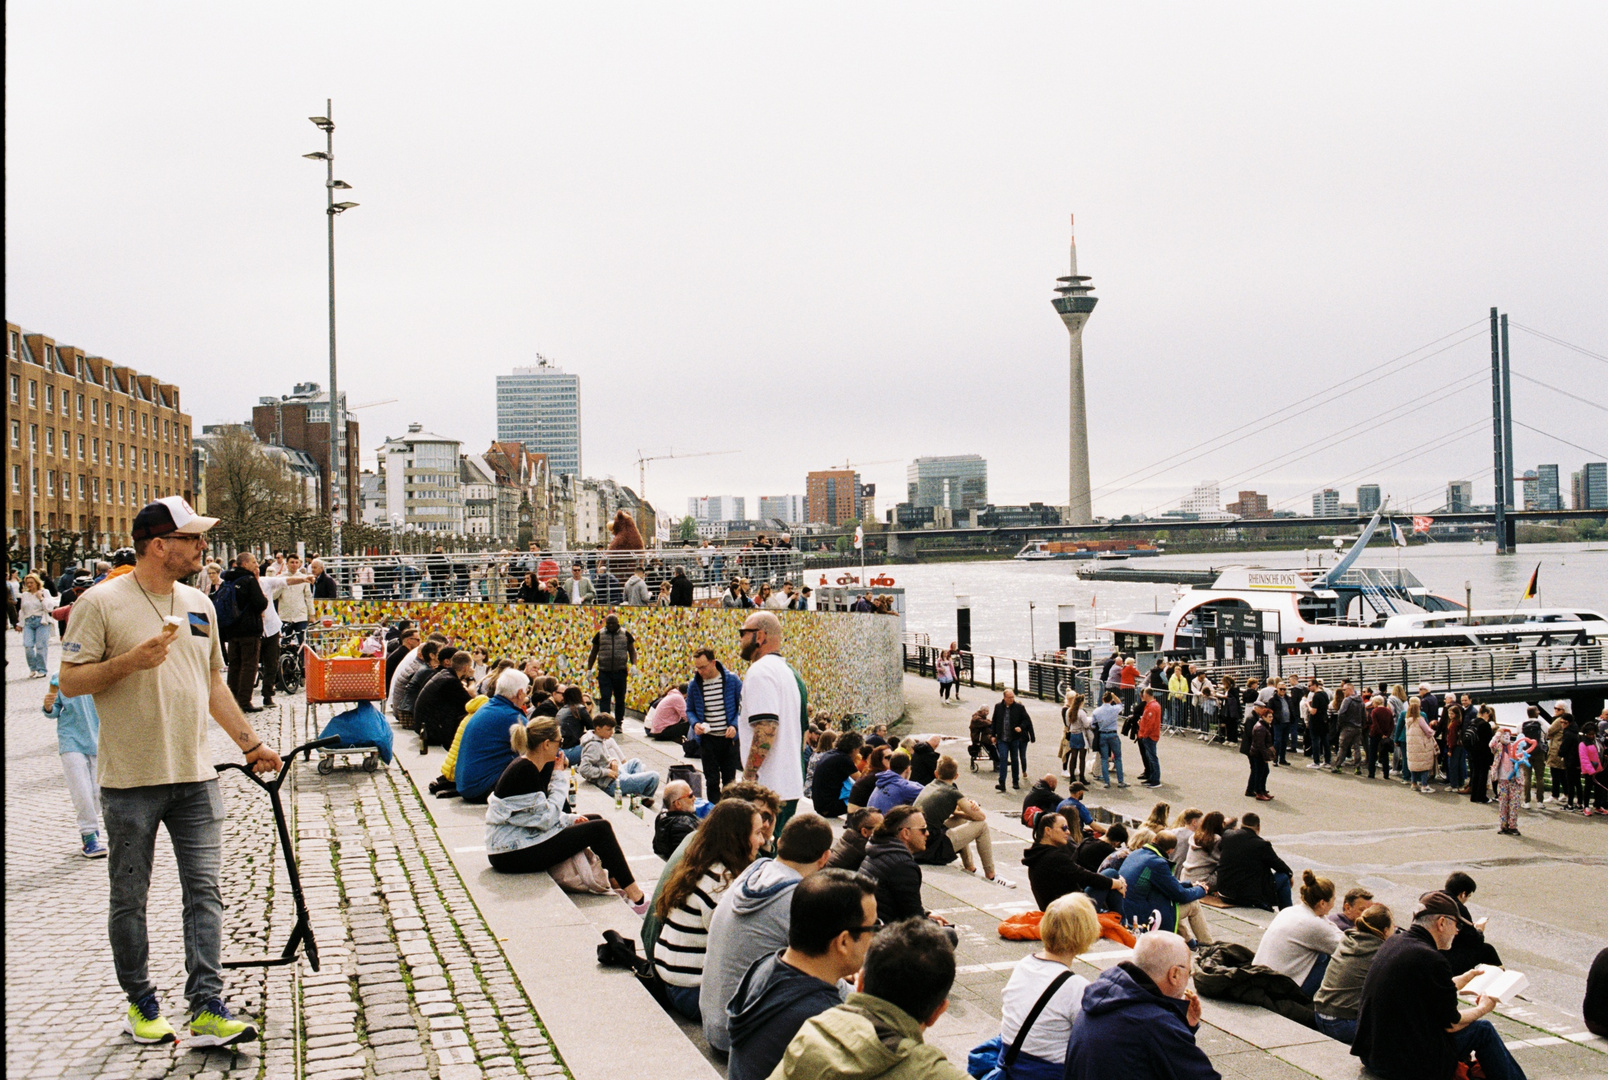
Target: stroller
[[983, 743]]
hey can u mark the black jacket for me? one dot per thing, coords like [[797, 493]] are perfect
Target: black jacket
[[1227, 971], [1245, 868], [1040, 795], [439, 708], [848, 852], [898, 878], [830, 772], [923, 764], [416, 681], [573, 722], [324, 587], [681, 591], [1470, 949], [1012, 722], [1408, 1002], [250, 603], [1053, 872], [670, 828], [770, 1006], [392, 660]]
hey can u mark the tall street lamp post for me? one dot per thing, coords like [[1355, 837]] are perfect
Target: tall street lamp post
[[337, 428]]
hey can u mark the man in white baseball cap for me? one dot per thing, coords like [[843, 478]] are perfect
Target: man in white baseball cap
[[146, 646]]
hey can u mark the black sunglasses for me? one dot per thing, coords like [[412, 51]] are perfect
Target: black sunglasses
[[873, 928]]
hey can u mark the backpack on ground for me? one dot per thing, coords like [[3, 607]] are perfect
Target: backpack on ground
[[226, 602]]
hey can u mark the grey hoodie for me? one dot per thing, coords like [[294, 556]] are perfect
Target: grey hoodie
[[750, 922]]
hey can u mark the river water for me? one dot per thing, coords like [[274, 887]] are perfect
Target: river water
[[1001, 592]]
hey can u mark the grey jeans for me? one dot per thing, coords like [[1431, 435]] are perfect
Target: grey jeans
[[193, 814]]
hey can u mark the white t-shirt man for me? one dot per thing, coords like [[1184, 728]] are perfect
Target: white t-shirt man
[[770, 692]]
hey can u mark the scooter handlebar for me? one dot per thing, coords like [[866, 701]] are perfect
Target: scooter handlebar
[[305, 749]]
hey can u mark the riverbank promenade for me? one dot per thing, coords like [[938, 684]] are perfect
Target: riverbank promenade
[[433, 966]]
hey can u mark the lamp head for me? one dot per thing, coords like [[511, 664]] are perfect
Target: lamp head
[[317, 155]]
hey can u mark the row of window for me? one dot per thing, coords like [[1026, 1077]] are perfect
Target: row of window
[[127, 456], [89, 487], [74, 404]]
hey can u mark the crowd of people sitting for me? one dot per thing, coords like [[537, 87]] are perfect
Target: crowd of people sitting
[[801, 949]]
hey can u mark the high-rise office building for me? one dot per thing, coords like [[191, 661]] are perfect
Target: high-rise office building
[[1204, 503], [718, 508], [788, 509], [1326, 503], [1591, 486], [958, 482], [1459, 496], [540, 406], [1368, 498], [834, 495], [1547, 494]]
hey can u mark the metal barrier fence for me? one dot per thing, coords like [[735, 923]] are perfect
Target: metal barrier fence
[[1492, 670], [1047, 680], [496, 577]]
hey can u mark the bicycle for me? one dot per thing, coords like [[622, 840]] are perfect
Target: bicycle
[[292, 670]]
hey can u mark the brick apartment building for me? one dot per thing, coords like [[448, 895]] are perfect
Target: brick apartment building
[[89, 441], [833, 495], [300, 421]]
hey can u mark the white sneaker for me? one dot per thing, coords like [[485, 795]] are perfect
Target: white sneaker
[[1526, 805], [1426, 790]]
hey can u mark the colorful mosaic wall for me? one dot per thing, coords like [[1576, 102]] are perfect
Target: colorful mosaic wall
[[851, 663]]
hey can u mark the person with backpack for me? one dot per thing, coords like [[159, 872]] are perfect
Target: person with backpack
[[1348, 721], [1042, 1001], [240, 602], [1535, 773]]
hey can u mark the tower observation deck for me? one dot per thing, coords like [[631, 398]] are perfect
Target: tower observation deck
[[1074, 304]]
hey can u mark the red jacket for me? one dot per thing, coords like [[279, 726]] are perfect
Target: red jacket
[[1381, 719], [1150, 722]]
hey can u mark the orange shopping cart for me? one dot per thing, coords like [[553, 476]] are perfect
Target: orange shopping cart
[[335, 679]]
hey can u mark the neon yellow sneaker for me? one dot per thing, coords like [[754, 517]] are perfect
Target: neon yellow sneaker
[[215, 1025], [146, 1023]]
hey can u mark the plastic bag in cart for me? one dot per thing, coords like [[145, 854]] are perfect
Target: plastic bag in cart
[[360, 726]]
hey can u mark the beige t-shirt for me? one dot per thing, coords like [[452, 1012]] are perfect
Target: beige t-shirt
[[153, 724]]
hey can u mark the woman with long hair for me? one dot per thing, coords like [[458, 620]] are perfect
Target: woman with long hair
[[1076, 726], [1201, 855], [1229, 709], [527, 830], [1420, 747], [35, 612], [1157, 821], [727, 841]]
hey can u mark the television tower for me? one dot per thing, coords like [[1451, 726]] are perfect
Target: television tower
[[1074, 305]]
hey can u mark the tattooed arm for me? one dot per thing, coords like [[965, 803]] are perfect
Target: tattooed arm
[[764, 728]]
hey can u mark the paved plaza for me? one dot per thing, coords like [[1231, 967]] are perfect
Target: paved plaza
[[434, 966]]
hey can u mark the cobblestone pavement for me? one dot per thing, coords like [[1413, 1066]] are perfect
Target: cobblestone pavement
[[412, 984]]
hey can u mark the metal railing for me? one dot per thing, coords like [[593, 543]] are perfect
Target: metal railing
[[1489, 669], [1045, 678], [496, 576]]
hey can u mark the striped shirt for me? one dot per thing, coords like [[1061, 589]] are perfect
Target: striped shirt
[[714, 693], [679, 955]]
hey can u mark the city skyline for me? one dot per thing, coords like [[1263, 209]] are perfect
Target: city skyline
[[790, 275]]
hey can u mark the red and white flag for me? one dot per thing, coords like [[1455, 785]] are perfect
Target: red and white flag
[[1422, 524]]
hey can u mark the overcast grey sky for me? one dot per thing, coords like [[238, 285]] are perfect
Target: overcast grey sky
[[829, 232]]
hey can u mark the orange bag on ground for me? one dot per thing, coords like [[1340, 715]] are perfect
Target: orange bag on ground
[[1111, 927], [1023, 927]]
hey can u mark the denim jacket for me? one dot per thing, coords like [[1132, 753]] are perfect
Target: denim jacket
[[524, 821]]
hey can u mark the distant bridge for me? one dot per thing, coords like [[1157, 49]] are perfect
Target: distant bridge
[[898, 538]]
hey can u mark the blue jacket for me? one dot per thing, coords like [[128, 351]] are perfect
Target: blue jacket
[[484, 751], [77, 724], [733, 693], [893, 790], [1152, 887], [1130, 1029]]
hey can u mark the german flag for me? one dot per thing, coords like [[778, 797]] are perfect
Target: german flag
[[1529, 590]]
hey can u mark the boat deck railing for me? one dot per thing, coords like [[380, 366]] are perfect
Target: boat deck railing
[[1476, 669]]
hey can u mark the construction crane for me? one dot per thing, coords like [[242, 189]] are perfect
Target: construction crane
[[643, 459], [867, 464]]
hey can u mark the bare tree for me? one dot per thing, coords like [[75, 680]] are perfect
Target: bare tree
[[248, 491]]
